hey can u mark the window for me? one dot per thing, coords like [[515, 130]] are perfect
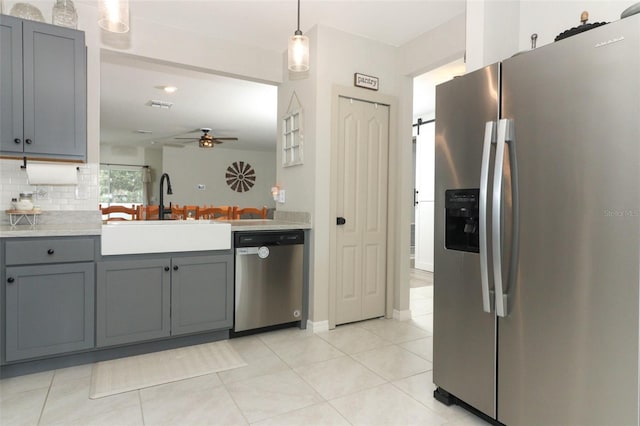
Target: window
[[121, 185], [292, 139]]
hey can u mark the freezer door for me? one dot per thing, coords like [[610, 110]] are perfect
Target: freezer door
[[568, 349], [464, 335]]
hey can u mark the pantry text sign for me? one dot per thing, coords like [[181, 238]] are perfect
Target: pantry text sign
[[365, 81]]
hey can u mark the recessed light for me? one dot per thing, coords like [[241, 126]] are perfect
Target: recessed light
[[170, 89], [144, 132]]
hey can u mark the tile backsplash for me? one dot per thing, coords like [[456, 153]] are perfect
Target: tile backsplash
[[84, 196]]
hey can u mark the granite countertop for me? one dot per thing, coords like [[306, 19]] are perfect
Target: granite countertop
[[265, 225], [76, 229], [50, 230]]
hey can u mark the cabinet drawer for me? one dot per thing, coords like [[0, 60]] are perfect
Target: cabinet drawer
[[32, 251]]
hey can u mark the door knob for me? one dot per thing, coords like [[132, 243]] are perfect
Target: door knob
[[166, 268], [50, 251], [28, 141], [17, 140], [175, 267], [10, 280], [341, 221]]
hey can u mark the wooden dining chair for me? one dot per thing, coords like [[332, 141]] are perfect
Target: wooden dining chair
[[221, 212], [252, 211], [118, 213], [148, 212], [177, 212], [190, 212]]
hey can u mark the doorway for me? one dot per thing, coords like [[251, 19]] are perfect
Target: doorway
[[421, 272], [424, 105], [361, 207]]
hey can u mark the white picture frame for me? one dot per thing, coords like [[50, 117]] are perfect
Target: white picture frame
[[292, 139]]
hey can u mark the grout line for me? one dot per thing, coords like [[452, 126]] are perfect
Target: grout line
[[141, 409], [46, 398], [235, 402]]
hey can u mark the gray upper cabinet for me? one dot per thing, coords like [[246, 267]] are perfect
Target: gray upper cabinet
[[201, 298], [11, 109], [43, 90]]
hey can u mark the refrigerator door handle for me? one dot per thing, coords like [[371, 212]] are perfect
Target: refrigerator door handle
[[496, 219], [505, 136], [489, 139]]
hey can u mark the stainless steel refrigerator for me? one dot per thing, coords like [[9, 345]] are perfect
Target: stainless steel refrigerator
[[537, 234]]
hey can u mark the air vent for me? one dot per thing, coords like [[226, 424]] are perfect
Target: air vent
[[160, 104]]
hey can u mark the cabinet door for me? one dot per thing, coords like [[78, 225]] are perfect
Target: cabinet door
[[49, 309], [133, 301], [10, 84], [55, 91], [201, 293]]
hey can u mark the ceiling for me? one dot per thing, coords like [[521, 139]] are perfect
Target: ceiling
[[232, 107]]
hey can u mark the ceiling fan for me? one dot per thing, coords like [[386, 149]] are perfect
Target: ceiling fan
[[208, 141]]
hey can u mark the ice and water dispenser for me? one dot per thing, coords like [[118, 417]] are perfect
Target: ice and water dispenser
[[462, 218]]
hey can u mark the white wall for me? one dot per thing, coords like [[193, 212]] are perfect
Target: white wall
[[190, 166], [335, 57], [497, 29], [550, 18], [431, 50]]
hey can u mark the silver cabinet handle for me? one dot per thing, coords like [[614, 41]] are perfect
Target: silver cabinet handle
[[489, 139]]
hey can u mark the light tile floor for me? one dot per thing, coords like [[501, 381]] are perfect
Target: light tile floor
[[376, 372]]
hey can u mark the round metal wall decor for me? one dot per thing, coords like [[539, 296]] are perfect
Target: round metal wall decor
[[240, 176]]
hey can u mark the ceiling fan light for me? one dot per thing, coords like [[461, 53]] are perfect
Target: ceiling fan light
[[298, 53], [114, 15], [206, 143]]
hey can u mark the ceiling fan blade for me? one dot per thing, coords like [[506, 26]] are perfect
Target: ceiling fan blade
[[225, 139], [194, 139]]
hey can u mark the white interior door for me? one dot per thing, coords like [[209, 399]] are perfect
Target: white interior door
[[425, 181], [363, 145]]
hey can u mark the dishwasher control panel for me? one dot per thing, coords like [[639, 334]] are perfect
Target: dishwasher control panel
[[268, 238]]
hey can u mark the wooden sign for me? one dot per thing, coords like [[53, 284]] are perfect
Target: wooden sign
[[365, 81]]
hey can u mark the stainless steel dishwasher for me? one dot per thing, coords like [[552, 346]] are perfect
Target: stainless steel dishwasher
[[269, 278]]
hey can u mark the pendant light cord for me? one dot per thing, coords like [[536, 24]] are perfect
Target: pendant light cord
[[298, 32]]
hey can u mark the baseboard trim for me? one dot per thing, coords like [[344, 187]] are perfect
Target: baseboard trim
[[318, 326], [402, 315]]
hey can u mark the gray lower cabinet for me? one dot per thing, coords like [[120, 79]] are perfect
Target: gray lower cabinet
[[145, 299], [49, 309], [132, 301], [43, 90], [201, 297]]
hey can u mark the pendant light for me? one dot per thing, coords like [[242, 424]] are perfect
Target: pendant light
[[114, 15], [298, 49]]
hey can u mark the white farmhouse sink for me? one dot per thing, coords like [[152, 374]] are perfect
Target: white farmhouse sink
[[163, 236]]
